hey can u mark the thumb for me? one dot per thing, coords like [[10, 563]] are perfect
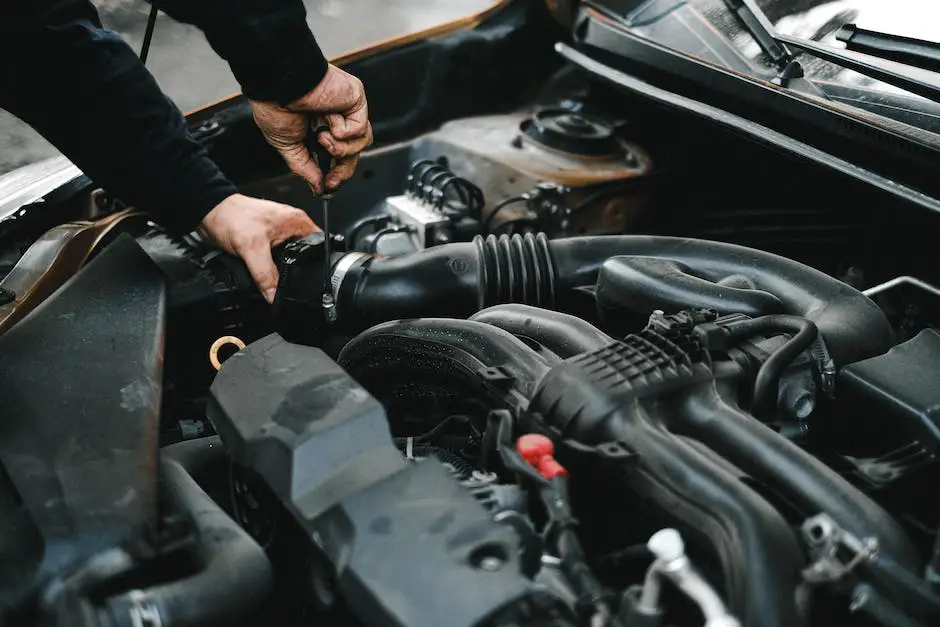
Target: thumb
[[262, 269]]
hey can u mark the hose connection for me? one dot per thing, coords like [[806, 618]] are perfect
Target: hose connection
[[539, 452]]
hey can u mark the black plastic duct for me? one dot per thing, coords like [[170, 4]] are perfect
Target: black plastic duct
[[759, 553], [563, 334], [457, 280], [235, 577], [664, 404]]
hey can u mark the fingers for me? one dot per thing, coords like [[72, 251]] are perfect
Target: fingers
[[340, 100], [257, 256], [295, 223], [342, 172], [341, 148], [301, 163], [284, 224]]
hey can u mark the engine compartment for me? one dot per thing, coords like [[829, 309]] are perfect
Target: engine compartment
[[569, 375]]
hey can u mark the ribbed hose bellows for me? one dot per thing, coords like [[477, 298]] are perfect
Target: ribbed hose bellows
[[516, 269]]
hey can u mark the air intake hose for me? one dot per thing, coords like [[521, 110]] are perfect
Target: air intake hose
[[457, 280], [563, 334]]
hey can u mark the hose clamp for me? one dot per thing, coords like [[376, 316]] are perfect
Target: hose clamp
[[342, 267], [143, 611]]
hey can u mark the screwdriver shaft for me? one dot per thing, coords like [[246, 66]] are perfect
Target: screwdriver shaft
[[327, 284]]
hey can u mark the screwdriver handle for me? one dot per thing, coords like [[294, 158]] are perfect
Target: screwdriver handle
[[323, 157]]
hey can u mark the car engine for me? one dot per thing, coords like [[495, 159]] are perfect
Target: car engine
[[520, 406]]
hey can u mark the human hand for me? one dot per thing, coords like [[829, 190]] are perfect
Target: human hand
[[339, 101], [250, 227]]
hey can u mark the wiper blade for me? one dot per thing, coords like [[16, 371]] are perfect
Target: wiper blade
[[907, 50], [912, 79], [915, 80]]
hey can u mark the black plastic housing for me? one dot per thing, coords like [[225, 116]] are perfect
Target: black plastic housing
[[894, 398], [411, 546], [80, 383]]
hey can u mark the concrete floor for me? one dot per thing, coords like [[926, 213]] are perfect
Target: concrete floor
[[190, 72]]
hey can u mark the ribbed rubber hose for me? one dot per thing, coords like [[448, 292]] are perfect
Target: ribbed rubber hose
[[460, 279]]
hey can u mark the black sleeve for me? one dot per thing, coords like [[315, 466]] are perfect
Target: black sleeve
[[267, 43], [86, 91]]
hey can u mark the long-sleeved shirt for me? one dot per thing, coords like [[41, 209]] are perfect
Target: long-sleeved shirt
[[87, 92]]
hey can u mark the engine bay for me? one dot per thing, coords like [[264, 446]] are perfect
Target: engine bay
[[536, 396]]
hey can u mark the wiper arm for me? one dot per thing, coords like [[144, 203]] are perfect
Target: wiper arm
[[907, 50], [912, 79], [762, 30], [789, 71]]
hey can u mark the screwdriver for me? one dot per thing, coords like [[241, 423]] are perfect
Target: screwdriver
[[325, 163]]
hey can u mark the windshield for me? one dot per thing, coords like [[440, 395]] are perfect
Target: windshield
[[708, 29]]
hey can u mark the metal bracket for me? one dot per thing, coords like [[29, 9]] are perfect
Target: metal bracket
[[836, 552]]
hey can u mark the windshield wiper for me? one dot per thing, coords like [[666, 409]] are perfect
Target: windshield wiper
[[913, 79], [762, 30], [789, 70], [907, 50]]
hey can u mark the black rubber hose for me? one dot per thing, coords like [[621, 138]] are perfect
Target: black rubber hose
[[642, 284], [196, 456], [500, 206], [767, 383], [563, 334], [787, 469], [760, 557], [459, 279], [853, 326], [233, 583], [561, 526], [352, 235]]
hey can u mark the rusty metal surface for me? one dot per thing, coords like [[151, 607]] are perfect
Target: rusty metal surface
[[488, 151]]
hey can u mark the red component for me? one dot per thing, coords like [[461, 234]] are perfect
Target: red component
[[533, 447], [538, 451], [549, 468]]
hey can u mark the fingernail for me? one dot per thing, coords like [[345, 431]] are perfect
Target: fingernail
[[269, 294]]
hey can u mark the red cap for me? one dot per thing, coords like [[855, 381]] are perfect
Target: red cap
[[533, 447], [538, 451]]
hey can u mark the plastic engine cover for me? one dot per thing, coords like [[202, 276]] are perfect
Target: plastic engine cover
[[411, 546]]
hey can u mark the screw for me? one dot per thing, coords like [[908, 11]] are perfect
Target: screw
[[491, 564]]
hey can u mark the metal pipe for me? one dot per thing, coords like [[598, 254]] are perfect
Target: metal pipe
[[901, 280]]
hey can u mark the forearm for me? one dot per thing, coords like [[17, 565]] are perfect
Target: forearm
[[86, 91], [267, 43]]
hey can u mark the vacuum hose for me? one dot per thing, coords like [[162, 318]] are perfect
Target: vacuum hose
[[457, 280], [232, 584]]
